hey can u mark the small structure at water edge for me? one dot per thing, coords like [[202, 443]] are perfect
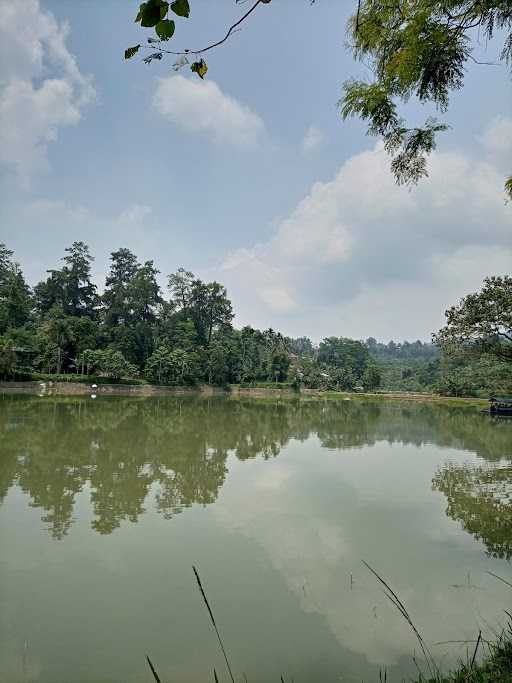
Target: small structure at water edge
[[500, 405]]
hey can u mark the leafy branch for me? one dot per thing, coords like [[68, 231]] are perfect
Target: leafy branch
[[153, 13]]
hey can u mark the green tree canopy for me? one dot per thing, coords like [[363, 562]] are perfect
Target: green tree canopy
[[15, 297], [481, 322]]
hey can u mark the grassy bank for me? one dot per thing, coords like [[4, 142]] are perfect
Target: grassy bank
[[496, 667], [77, 384]]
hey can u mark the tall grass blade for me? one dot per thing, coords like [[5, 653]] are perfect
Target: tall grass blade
[[205, 599], [500, 578], [476, 649], [393, 597], [155, 675]]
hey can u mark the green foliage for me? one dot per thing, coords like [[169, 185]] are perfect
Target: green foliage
[[508, 187], [151, 12], [165, 29], [481, 322], [7, 358], [371, 378], [172, 366], [415, 49], [181, 8], [131, 330], [107, 363], [155, 14], [15, 296]]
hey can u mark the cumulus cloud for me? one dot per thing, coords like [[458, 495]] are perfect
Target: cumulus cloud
[[360, 256], [312, 139], [41, 86], [201, 106]]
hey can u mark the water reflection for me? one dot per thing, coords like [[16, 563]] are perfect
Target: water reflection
[[120, 449], [481, 499]]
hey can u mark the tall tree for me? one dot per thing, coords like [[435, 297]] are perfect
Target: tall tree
[[15, 297], [71, 287], [210, 308], [481, 322], [80, 292], [117, 297], [144, 292], [180, 286]]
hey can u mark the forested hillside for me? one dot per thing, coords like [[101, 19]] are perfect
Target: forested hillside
[[133, 331]]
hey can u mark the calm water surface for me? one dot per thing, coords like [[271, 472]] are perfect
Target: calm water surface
[[105, 506]]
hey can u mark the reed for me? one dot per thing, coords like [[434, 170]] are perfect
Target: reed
[[395, 600], [212, 618], [153, 670]]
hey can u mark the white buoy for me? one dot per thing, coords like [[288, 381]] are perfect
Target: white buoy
[[94, 386], [93, 395]]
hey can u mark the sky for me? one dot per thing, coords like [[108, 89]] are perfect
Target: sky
[[249, 177]]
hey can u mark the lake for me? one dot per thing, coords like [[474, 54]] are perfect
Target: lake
[[106, 504]]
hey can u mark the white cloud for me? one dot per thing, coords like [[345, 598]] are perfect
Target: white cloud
[[360, 256], [201, 106], [312, 139], [134, 214], [56, 209], [497, 141], [41, 86]]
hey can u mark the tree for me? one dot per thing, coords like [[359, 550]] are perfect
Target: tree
[[117, 297], [210, 308], [107, 362], [7, 358], [71, 287], [344, 353], [371, 377], [180, 286], [80, 292], [479, 498], [172, 366], [144, 292], [279, 366], [414, 49], [481, 322], [15, 297]]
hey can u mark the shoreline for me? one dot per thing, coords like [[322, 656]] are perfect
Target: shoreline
[[234, 391]]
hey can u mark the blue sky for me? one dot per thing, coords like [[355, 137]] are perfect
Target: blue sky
[[250, 177]]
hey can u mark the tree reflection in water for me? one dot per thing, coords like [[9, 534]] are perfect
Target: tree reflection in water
[[481, 499], [177, 448]]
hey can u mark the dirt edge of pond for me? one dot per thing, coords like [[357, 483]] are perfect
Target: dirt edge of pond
[[81, 389]]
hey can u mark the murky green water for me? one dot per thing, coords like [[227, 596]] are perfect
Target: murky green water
[[107, 504]]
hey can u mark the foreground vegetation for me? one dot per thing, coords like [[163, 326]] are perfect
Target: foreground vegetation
[[495, 668], [64, 328]]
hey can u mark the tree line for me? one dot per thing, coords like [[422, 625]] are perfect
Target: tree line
[[64, 327]]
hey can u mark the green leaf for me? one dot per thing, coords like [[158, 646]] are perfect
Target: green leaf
[[165, 29], [152, 11], [200, 68], [130, 51], [140, 12], [164, 8], [181, 8]]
